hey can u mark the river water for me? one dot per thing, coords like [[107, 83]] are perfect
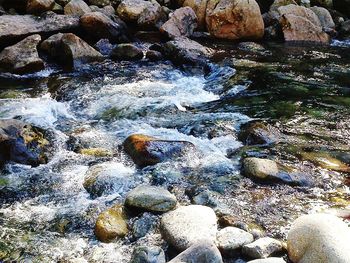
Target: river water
[[46, 215]]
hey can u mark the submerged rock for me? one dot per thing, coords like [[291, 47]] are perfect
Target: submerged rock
[[188, 225], [201, 252], [22, 143], [127, 52], [319, 238], [14, 27], [151, 198], [147, 254], [230, 240], [39, 6], [101, 26], [146, 150], [238, 19], [23, 57], [143, 225], [262, 248], [181, 23], [111, 224], [70, 50], [326, 161], [255, 133]]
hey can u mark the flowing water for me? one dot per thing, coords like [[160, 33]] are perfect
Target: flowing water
[[46, 215]]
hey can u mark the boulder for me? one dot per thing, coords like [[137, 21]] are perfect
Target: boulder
[[130, 10], [152, 16], [278, 3], [234, 19], [301, 24], [153, 55], [70, 50], [325, 18], [262, 248], [111, 224], [23, 57], [268, 260], [319, 238], [200, 8], [146, 150], [16, 27], [107, 178], [260, 168], [127, 52], [22, 143], [188, 225], [39, 6], [201, 252], [151, 198], [182, 22], [185, 51], [76, 7], [145, 254], [230, 240], [101, 26]]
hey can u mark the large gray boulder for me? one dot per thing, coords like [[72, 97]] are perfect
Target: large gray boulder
[[23, 57], [320, 238], [188, 225]]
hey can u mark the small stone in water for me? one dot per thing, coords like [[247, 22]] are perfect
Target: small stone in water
[[145, 254], [231, 239], [262, 248]]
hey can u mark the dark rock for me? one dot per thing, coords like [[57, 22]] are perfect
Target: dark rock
[[153, 55], [104, 47], [146, 150], [181, 23], [101, 26], [145, 254], [17, 27], [143, 225], [70, 50], [201, 252], [344, 31], [256, 132], [127, 52], [23, 57], [22, 143]]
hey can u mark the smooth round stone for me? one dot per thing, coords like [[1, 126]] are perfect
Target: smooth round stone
[[151, 198], [231, 239], [188, 225], [319, 238], [145, 254], [260, 168], [262, 248], [268, 260]]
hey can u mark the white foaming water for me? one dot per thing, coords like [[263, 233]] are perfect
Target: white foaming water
[[43, 111], [340, 43]]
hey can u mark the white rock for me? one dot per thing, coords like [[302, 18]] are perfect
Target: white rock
[[268, 260], [231, 239], [320, 238], [188, 225], [262, 248]]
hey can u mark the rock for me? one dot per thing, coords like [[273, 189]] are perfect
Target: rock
[[107, 178], [255, 133], [188, 225], [262, 248], [185, 51], [127, 52], [325, 18], [130, 10], [100, 3], [58, 9], [104, 47], [70, 50], [344, 31], [22, 143], [260, 168], [201, 252], [234, 19], [181, 23], [100, 26], [151, 198], [143, 225], [39, 6], [200, 8], [268, 260], [23, 57], [146, 150], [301, 24], [111, 224], [145, 254], [319, 238], [153, 55], [151, 16], [231, 239], [278, 3], [76, 7], [17, 27], [343, 6], [326, 161]]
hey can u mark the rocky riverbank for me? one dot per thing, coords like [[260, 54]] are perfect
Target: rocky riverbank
[[158, 131]]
